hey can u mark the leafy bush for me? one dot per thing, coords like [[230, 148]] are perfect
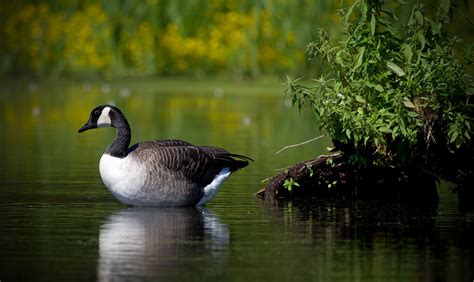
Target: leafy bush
[[391, 93]]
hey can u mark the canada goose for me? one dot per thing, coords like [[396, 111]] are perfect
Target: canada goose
[[162, 172]]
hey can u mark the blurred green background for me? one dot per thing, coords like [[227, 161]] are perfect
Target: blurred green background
[[236, 39]]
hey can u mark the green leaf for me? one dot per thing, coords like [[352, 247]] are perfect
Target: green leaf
[[289, 183], [468, 137], [339, 59], [348, 133], [360, 99], [395, 68], [379, 88], [453, 137], [348, 14], [436, 27], [421, 38], [363, 9], [360, 58], [366, 138], [356, 137], [407, 51], [394, 132], [412, 114], [403, 130], [372, 24], [419, 17], [408, 103]]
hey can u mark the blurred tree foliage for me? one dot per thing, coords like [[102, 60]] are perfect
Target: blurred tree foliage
[[163, 37]]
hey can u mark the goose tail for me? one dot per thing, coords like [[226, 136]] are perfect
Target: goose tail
[[234, 161]]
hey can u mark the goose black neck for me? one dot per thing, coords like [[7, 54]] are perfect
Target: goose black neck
[[119, 148]]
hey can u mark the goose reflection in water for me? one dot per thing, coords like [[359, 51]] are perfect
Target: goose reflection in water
[[152, 243]]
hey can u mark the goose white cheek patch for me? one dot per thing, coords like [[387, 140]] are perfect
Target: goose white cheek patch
[[104, 119]]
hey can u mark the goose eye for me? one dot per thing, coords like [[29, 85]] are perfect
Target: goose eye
[[96, 112]]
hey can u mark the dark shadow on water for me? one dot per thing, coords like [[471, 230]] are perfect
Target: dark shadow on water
[[354, 219], [428, 243], [161, 243]]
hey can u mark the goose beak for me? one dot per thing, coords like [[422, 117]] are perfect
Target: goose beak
[[87, 126]]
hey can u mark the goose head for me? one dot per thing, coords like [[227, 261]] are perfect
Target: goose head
[[110, 116], [103, 116]]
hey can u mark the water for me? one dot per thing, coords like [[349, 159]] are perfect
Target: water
[[58, 221]]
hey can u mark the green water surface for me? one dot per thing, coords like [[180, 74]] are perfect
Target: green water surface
[[59, 223]]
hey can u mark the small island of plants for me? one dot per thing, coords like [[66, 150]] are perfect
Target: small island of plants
[[396, 99]]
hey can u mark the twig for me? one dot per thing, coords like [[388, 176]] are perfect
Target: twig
[[266, 179], [299, 144]]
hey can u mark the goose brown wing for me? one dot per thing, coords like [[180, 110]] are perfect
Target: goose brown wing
[[169, 142], [195, 164], [158, 144]]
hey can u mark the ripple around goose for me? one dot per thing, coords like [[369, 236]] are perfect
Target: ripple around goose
[[162, 172]]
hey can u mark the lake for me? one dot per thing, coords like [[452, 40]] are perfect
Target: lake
[[60, 223]]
